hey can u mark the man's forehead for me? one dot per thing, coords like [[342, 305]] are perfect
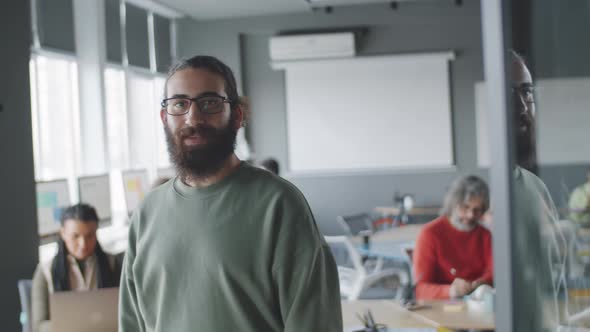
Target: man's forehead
[[195, 79], [473, 200], [520, 74]]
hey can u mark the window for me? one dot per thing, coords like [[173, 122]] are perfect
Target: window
[[138, 42], [116, 120], [162, 159], [115, 94], [55, 112], [144, 121], [133, 127]]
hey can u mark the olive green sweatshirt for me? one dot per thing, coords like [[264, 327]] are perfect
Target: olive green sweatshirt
[[243, 254]]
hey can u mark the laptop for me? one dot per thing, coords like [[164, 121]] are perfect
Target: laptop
[[89, 311]]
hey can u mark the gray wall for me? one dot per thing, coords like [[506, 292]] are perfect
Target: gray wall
[[414, 27], [18, 238]]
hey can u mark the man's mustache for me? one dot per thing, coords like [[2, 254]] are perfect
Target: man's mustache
[[199, 130]]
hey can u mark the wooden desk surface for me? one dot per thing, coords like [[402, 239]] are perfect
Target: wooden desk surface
[[384, 311], [394, 315], [406, 233], [463, 319]]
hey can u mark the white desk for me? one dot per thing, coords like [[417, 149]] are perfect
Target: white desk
[[406, 233], [434, 316], [384, 311], [391, 243], [463, 319], [416, 211]]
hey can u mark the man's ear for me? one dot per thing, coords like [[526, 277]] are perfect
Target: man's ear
[[238, 117], [163, 116]]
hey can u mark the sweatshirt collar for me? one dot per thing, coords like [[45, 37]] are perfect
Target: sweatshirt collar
[[187, 191]]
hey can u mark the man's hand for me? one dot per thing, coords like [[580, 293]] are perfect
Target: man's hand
[[459, 288], [476, 283]]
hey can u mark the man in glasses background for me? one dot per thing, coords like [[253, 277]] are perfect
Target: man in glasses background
[[224, 246], [540, 238], [523, 98]]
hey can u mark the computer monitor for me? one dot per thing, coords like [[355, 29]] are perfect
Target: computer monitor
[[96, 191], [52, 198], [135, 185]]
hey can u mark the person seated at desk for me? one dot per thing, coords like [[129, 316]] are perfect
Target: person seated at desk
[[79, 265], [271, 165], [453, 253]]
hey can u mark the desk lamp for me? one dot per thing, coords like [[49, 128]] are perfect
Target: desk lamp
[[405, 204]]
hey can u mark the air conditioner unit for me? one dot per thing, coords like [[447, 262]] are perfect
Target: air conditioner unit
[[312, 46]]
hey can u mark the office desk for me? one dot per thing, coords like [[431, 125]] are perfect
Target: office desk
[[391, 243], [384, 311], [392, 314], [406, 233], [417, 211], [463, 319]]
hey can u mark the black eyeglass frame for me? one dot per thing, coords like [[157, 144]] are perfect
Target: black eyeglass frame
[[520, 91], [164, 103]]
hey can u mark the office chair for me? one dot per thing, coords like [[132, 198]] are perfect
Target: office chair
[[357, 278], [357, 224], [24, 291]]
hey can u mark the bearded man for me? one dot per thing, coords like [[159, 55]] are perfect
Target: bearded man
[[224, 246]]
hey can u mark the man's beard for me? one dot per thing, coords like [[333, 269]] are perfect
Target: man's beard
[[459, 225], [526, 148], [197, 162]]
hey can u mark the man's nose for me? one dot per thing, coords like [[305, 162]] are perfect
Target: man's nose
[[520, 103], [193, 116]]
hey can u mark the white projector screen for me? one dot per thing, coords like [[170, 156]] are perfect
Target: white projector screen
[[369, 113]]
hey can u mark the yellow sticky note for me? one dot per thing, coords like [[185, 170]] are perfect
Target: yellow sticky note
[[132, 185]]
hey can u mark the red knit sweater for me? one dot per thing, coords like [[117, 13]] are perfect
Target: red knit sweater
[[443, 253]]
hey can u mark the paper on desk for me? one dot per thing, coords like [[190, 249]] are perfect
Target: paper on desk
[[398, 329]]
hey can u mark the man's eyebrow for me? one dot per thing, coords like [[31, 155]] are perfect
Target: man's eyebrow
[[526, 85], [204, 94], [179, 96]]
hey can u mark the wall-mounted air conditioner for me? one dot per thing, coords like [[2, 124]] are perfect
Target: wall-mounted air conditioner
[[312, 46]]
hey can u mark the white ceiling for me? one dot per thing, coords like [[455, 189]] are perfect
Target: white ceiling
[[216, 9]]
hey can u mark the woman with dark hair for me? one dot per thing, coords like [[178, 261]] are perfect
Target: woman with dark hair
[[270, 164], [79, 265]]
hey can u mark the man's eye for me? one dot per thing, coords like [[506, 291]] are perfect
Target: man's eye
[[180, 104], [209, 103]]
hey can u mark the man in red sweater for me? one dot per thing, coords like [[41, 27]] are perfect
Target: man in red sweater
[[453, 253]]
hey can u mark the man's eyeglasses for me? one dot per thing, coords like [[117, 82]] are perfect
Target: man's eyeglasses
[[206, 104], [526, 92]]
